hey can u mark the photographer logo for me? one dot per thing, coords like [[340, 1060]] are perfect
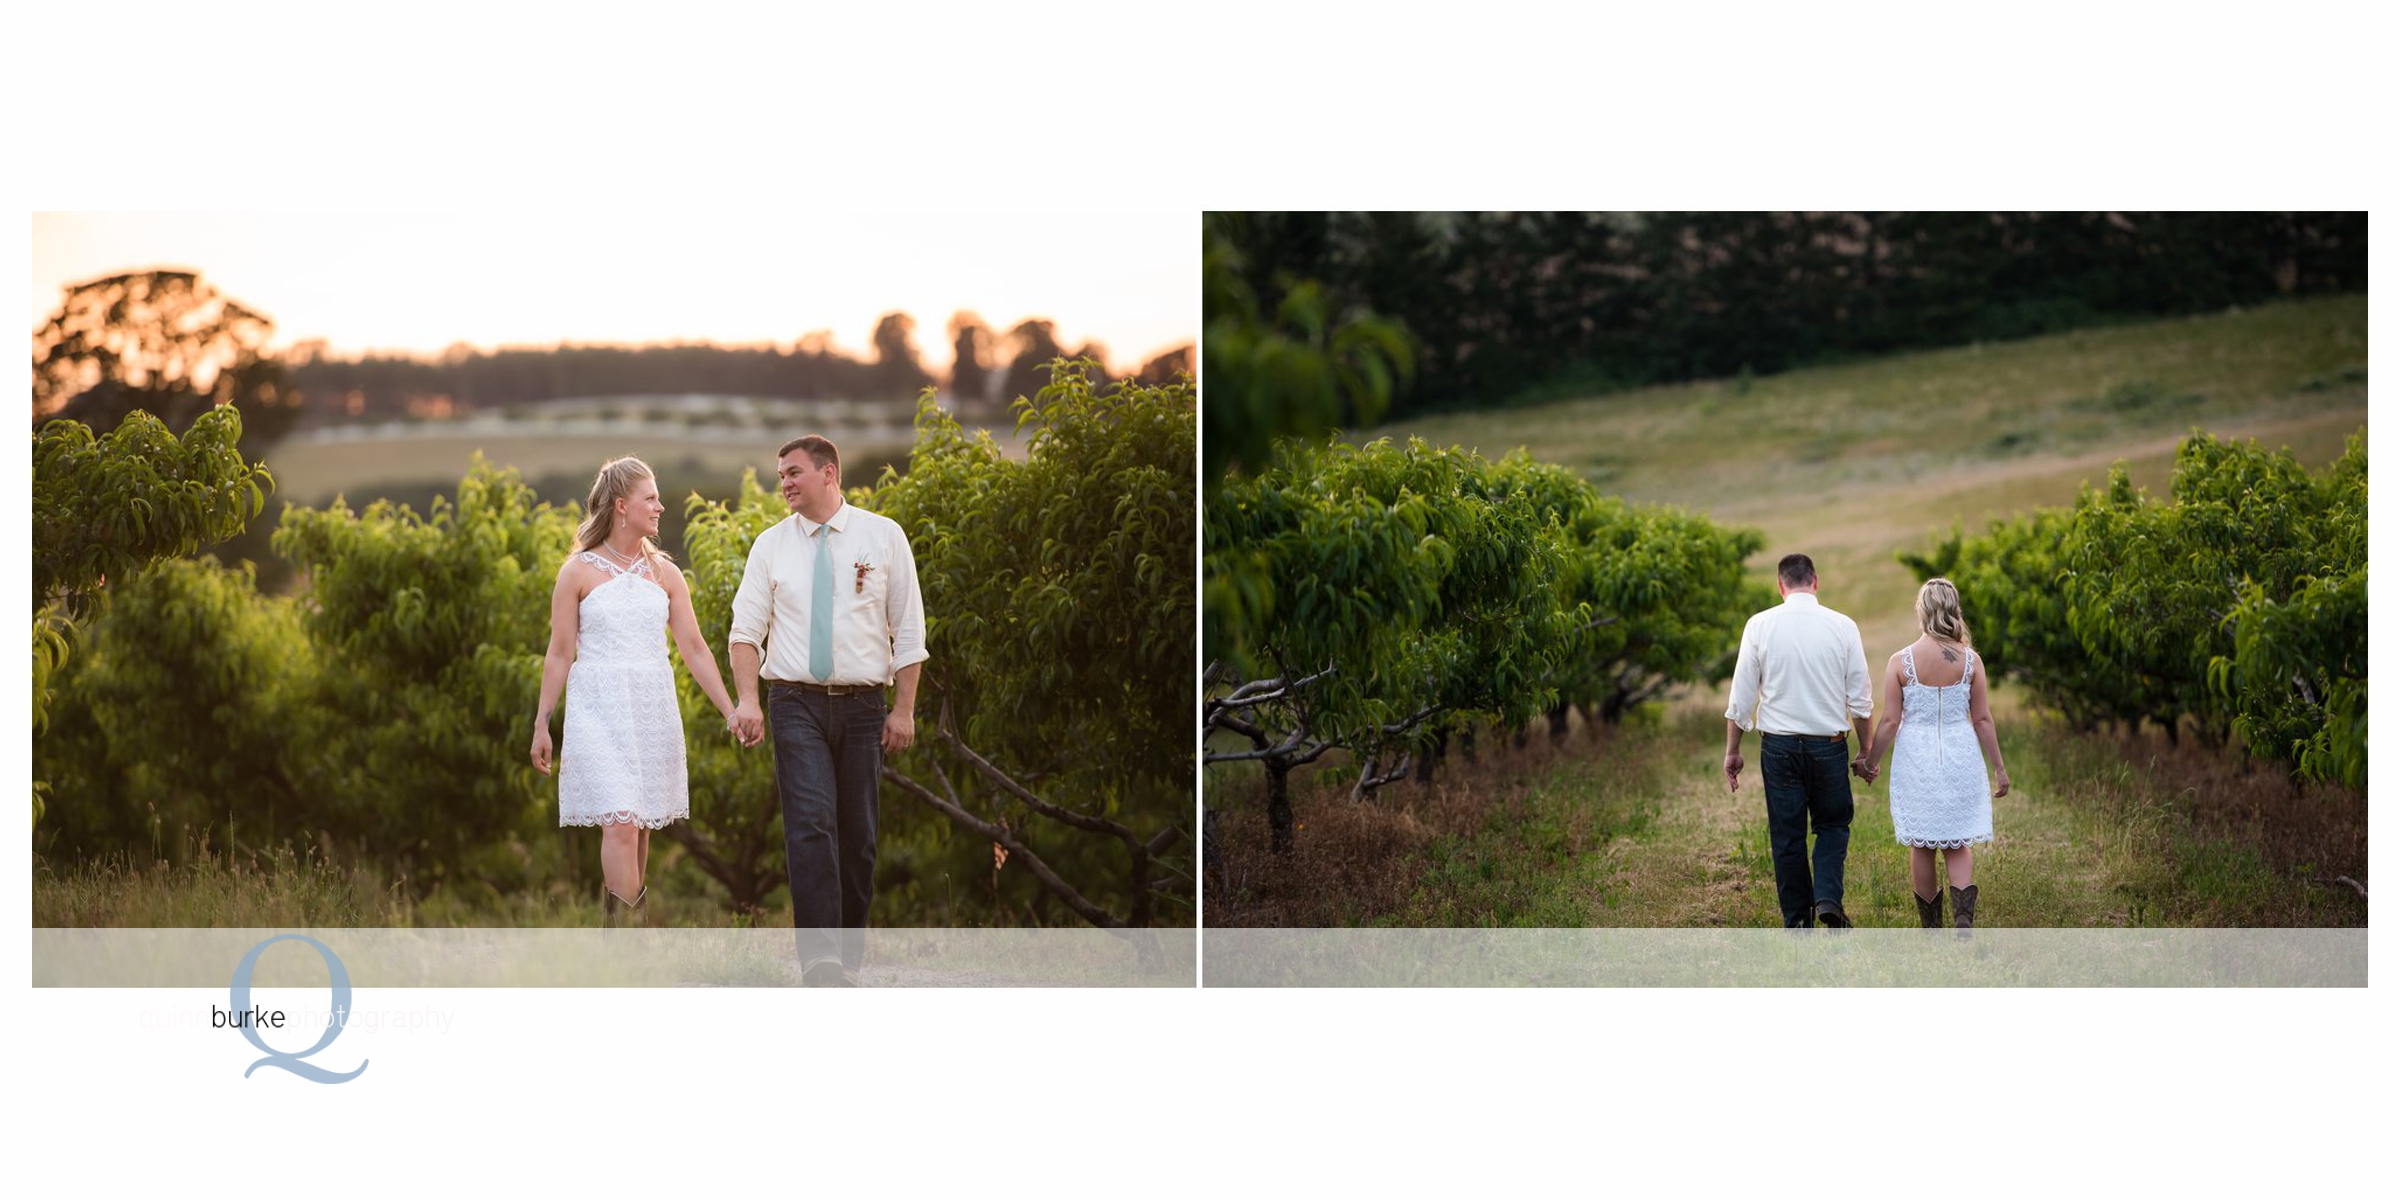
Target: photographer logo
[[249, 1019]]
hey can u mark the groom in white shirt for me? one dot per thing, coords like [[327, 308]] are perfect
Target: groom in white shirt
[[830, 593], [1801, 681]]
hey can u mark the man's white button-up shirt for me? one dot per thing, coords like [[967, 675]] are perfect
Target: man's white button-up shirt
[[878, 615], [1802, 670]]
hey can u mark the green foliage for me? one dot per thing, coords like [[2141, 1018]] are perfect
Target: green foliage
[[1058, 597], [1373, 597], [1065, 586], [1297, 367], [1660, 593], [2240, 605], [180, 713], [434, 626], [106, 507], [103, 507], [1399, 578]]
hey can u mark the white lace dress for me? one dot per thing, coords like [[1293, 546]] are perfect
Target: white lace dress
[[1940, 796], [621, 761]]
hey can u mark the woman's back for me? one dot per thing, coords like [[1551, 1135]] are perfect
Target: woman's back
[[1939, 793]]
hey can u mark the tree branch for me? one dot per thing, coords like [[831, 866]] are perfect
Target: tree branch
[[1079, 820], [1000, 834]]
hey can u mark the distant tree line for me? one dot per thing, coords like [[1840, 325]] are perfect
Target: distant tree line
[[1505, 306], [169, 343], [988, 369]]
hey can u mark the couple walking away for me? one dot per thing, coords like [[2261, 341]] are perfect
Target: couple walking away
[[1801, 682], [828, 614]]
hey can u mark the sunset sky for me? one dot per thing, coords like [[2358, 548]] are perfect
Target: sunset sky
[[420, 283]]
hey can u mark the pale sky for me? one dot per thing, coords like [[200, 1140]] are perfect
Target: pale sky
[[419, 283]]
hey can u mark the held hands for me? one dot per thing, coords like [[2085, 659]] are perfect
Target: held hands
[[748, 726], [1864, 768], [899, 731]]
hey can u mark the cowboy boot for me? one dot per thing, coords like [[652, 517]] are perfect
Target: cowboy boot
[[613, 908], [1962, 903], [1929, 912], [635, 914]]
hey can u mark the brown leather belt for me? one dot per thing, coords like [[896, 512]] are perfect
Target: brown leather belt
[[830, 689]]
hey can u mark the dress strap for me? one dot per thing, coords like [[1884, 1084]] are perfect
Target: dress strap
[[1969, 672], [1908, 662], [640, 567]]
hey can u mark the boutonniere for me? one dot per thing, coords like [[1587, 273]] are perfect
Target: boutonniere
[[862, 567]]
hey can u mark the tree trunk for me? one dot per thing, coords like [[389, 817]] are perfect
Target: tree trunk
[[1558, 721], [1279, 807], [1425, 759]]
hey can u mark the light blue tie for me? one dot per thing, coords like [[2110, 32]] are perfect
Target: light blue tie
[[820, 609]]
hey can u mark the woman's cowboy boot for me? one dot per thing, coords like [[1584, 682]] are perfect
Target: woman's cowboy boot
[[1962, 903], [1929, 912], [612, 908]]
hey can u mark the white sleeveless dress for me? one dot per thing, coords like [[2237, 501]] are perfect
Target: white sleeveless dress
[[1941, 798], [621, 761]]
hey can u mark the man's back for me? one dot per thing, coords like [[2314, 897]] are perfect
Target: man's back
[[1802, 670]]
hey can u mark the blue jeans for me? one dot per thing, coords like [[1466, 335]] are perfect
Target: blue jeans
[[1808, 784], [828, 768]]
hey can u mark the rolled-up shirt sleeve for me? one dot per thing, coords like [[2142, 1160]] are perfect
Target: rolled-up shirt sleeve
[[1748, 671], [1862, 692], [904, 606], [754, 601]]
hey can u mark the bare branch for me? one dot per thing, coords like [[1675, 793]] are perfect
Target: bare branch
[[1079, 820], [1368, 780], [1286, 750], [1415, 719], [1016, 849], [1233, 724]]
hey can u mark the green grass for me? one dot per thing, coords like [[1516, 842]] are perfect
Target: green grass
[[212, 889], [1633, 827]]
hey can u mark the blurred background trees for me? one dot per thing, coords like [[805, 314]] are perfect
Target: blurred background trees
[[163, 342], [1512, 306]]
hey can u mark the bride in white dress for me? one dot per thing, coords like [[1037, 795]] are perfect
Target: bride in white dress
[[622, 762], [1938, 727]]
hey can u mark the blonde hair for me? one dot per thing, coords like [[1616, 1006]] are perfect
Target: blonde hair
[[1938, 612], [614, 482]]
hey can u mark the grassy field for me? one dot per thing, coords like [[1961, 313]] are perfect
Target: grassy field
[[314, 472], [1850, 464], [1633, 827], [220, 890]]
